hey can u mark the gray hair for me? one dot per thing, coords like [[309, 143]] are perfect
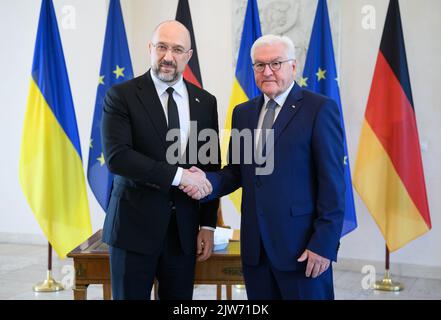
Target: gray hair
[[271, 39]]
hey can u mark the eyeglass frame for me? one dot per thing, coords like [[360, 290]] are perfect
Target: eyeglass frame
[[169, 48], [269, 65]]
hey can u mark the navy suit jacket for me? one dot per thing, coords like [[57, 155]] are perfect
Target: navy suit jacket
[[300, 205]]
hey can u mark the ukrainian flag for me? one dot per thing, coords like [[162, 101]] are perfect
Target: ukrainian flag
[[51, 170], [244, 85]]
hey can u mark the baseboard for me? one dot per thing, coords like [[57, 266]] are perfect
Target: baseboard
[[397, 269], [22, 238], [343, 264]]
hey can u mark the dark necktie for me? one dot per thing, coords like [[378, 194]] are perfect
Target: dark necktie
[[267, 124], [172, 110]]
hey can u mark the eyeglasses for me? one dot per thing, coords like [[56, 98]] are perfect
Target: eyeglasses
[[274, 65], [162, 49]]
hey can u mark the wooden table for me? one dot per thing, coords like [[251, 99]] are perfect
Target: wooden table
[[91, 262]]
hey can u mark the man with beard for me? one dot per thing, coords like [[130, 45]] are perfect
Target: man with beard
[[153, 229]]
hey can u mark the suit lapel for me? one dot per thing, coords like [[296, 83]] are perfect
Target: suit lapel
[[291, 106], [254, 119], [194, 102], [152, 105]]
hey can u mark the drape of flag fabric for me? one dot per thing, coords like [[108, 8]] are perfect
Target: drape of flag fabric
[[244, 86], [116, 67], [389, 173], [51, 171], [320, 75], [192, 71]]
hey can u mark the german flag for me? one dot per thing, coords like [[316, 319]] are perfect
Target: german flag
[[192, 73], [389, 173]]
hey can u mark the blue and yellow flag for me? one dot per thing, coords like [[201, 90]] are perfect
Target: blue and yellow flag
[[116, 67], [320, 75], [51, 170], [244, 85]]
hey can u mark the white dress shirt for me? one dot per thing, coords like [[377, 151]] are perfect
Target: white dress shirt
[[180, 95]]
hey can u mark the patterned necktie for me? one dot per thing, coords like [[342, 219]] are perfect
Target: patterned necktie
[[267, 124]]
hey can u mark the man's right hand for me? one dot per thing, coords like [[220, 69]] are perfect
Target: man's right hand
[[195, 184]]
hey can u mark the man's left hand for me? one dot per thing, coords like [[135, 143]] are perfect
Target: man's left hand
[[204, 244], [316, 263]]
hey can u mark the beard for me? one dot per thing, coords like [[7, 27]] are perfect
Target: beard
[[166, 77]]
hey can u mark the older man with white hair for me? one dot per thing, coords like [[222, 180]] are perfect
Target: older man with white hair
[[292, 217]]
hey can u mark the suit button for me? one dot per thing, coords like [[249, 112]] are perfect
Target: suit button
[[258, 183]]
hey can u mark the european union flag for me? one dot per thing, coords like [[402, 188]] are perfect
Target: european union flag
[[320, 75], [116, 67]]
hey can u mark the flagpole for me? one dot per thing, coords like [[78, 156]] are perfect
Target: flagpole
[[48, 285], [387, 284]]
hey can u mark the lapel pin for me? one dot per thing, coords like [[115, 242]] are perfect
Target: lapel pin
[[293, 106], [197, 100]]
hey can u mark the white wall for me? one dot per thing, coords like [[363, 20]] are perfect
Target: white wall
[[212, 21], [421, 24], [82, 49]]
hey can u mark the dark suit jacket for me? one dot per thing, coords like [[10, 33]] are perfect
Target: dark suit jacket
[[301, 204], [134, 131]]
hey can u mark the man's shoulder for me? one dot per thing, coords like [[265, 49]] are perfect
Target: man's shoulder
[[195, 90], [248, 105], [318, 98], [317, 102], [128, 85]]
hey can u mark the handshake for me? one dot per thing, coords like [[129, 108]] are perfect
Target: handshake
[[195, 184]]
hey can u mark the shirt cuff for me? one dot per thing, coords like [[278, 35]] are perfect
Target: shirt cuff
[[208, 228], [178, 176]]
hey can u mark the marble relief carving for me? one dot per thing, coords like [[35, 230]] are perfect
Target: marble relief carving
[[292, 18]]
